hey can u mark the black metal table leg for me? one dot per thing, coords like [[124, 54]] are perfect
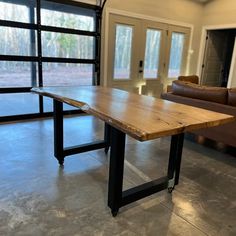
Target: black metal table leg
[[60, 152], [107, 137], [58, 131], [179, 157], [116, 170], [176, 148]]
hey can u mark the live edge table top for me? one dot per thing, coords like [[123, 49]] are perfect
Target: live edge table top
[[141, 117]]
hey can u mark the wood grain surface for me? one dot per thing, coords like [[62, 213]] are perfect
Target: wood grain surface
[[141, 117]]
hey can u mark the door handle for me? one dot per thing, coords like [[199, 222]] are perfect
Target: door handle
[[140, 66]]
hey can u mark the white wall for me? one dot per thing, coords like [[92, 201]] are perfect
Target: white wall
[[219, 12]]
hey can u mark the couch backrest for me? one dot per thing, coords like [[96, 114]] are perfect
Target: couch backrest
[[232, 97], [189, 78], [212, 94]]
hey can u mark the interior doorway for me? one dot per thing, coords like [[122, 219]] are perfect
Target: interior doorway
[[217, 57]]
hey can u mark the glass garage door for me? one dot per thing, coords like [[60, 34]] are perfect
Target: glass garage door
[[44, 43]]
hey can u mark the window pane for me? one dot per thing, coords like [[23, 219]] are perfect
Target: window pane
[[61, 15], [15, 41], [60, 74], [123, 48], [16, 12], [152, 50], [17, 74], [48, 105], [176, 54], [18, 103], [67, 45]]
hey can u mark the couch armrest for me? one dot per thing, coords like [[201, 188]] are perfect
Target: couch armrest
[[169, 88]]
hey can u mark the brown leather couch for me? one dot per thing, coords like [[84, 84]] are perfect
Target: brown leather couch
[[212, 98]]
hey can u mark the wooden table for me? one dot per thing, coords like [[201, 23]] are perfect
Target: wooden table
[[141, 117]]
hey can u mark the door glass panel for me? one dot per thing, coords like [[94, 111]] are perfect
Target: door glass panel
[[18, 74], [18, 104], [66, 16], [123, 49], [64, 74], [67, 45], [48, 105], [16, 41], [152, 50], [176, 55], [14, 12]]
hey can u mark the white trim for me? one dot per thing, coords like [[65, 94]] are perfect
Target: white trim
[[215, 27], [203, 42], [232, 66], [201, 53], [109, 11], [92, 2], [190, 51], [146, 17]]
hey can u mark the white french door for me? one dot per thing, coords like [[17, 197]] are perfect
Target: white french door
[[124, 51], [144, 54], [177, 51]]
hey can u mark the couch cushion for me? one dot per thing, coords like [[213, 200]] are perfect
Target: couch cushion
[[212, 94], [232, 97]]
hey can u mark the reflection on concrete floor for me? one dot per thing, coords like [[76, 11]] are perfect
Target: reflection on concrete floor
[[38, 197]]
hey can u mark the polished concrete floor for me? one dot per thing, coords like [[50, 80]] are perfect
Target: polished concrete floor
[[37, 197]]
